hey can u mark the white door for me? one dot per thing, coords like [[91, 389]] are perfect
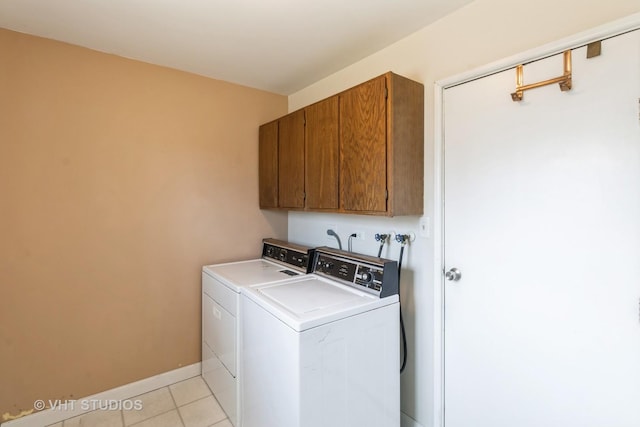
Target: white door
[[542, 219]]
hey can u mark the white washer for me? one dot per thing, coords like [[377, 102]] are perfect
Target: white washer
[[323, 350], [221, 284]]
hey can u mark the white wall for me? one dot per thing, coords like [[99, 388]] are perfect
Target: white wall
[[480, 33]]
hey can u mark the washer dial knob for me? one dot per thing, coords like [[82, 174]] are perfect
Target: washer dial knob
[[367, 276]]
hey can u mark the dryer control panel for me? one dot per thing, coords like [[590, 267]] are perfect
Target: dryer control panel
[[289, 254], [374, 275]]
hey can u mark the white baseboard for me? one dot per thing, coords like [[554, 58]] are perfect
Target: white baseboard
[[407, 421], [127, 391]]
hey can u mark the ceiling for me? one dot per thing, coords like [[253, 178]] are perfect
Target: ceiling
[[280, 46]]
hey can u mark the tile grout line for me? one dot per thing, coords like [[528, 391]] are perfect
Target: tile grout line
[[216, 400], [152, 417], [124, 424], [176, 405], [198, 400], [175, 408], [219, 422]]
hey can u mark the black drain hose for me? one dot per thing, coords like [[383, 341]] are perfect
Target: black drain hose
[[404, 334]]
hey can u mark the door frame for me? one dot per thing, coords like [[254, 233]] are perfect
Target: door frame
[[629, 23]]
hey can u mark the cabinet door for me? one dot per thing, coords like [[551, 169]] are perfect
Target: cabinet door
[[268, 165], [291, 160], [321, 154], [363, 147]]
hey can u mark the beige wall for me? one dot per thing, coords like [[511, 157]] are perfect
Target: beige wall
[[118, 181], [484, 31]]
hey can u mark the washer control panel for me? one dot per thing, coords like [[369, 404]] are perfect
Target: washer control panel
[[370, 277], [377, 276]]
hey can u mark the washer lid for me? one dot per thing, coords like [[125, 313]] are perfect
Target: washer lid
[[311, 301], [309, 295], [249, 273]]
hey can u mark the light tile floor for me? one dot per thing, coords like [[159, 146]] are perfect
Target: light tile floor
[[188, 403]]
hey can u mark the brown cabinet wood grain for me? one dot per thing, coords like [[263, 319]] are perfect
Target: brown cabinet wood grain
[[321, 155], [382, 147], [405, 146], [281, 162], [268, 165], [360, 151], [363, 147], [291, 160]]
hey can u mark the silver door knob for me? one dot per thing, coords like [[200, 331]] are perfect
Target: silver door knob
[[453, 275]]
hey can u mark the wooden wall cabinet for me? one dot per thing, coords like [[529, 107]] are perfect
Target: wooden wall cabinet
[[322, 155], [268, 165], [291, 160], [382, 147], [363, 147], [362, 152], [281, 162]]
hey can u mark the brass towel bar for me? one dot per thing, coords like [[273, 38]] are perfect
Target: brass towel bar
[[564, 81]]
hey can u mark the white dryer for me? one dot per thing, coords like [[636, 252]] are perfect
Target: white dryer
[[221, 284], [323, 350]]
